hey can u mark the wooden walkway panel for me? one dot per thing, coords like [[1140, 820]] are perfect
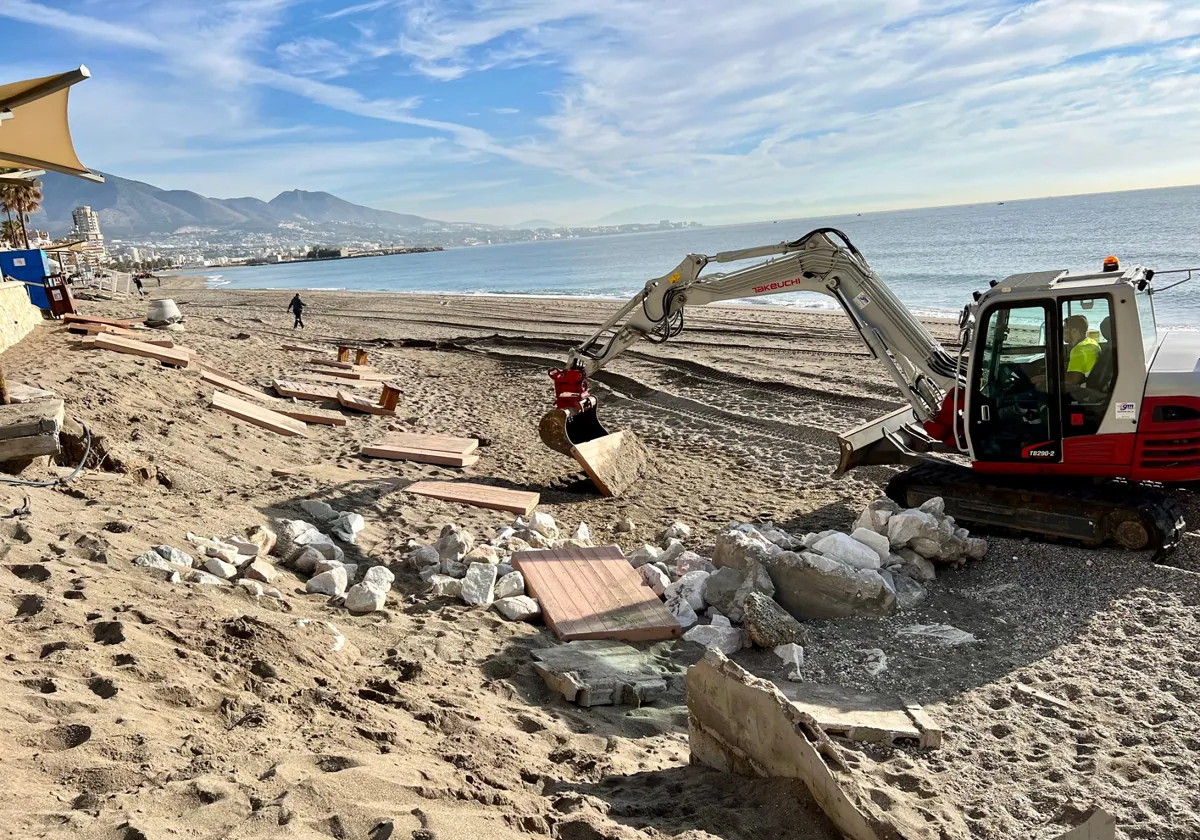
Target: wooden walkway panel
[[311, 415], [435, 443], [214, 378], [478, 495], [357, 403], [265, 418], [304, 391], [123, 323], [168, 356], [422, 456], [593, 593], [358, 374], [331, 380], [302, 348]]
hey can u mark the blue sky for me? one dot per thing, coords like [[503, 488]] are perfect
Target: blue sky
[[504, 110]]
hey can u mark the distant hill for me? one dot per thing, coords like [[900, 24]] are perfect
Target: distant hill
[[536, 224], [132, 208]]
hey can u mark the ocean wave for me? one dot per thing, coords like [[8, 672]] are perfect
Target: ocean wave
[[325, 288], [215, 281]]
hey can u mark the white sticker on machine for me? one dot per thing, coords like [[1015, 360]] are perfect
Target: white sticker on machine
[[862, 300], [1126, 411]]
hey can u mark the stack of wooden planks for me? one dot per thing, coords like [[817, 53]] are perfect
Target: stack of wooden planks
[[357, 403], [175, 356], [123, 323], [146, 336], [479, 495], [425, 449], [28, 430]]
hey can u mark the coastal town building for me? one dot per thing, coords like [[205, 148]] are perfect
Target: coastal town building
[[87, 227]]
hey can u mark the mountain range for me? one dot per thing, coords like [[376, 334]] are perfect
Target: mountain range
[[132, 208]]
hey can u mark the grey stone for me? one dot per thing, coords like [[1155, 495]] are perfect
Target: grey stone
[[945, 634], [690, 587], [736, 549], [479, 584], [874, 661], [330, 583], [935, 507], [624, 526], [678, 606], [976, 548], [220, 551], [503, 569], [847, 550], [253, 587], [244, 546], [482, 554], [264, 537], [272, 592], [318, 510], [810, 586], [873, 540], [307, 559], [769, 625], [601, 672], [909, 525], [510, 586], [671, 553], [518, 608], [454, 568], [454, 543], [260, 570], [543, 523], [154, 560], [915, 566], [444, 586], [926, 547], [174, 556], [218, 567], [583, 533], [909, 593], [728, 640], [690, 561], [641, 556], [674, 531], [380, 577], [347, 526], [875, 516], [424, 556], [205, 579], [365, 597], [655, 578], [727, 588], [296, 534]]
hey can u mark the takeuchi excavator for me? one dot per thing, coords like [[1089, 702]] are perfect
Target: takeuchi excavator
[[1075, 414]]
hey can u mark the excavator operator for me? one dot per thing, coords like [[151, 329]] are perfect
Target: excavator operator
[[1084, 350]]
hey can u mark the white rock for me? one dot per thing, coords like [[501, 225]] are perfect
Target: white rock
[[945, 634], [518, 608], [174, 556], [479, 584], [338, 639], [926, 547], [244, 546], [674, 531], [424, 556], [531, 539], [347, 526], [206, 579], [691, 588], [679, 607], [444, 586], [263, 537], [272, 592], [875, 662], [641, 556], [543, 523], [482, 554], [875, 541], [296, 534], [330, 583], [306, 561], [935, 507], [690, 561], [454, 543], [154, 560], [217, 566], [716, 619], [655, 578], [780, 538], [976, 548], [845, 549], [728, 640], [318, 510], [226, 553], [624, 526], [259, 570], [909, 593], [793, 657], [915, 566], [908, 525], [380, 577], [583, 533], [673, 551], [365, 598], [509, 586], [251, 586]]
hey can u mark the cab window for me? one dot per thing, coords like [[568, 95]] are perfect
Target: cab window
[[1089, 363], [1145, 308]]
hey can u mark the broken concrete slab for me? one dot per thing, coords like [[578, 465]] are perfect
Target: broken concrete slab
[[864, 716], [601, 672], [810, 586]]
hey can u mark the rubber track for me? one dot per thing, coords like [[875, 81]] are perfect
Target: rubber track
[[1151, 504]]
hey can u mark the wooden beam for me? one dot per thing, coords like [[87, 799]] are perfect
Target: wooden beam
[[304, 391], [478, 495], [123, 323], [434, 443], [332, 363], [422, 456], [214, 378], [331, 380], [263, 417], [168, 356], [145, 336], [302, 348], [44, 417], [356, 403], [28, 447], [312, 415], [344, 373]]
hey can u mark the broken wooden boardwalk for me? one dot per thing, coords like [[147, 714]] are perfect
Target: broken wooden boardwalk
[[265, 418], [478, 495], [28, 430], [426, 449], [304, 391], [178, 357], [357, 403], [593, 593]]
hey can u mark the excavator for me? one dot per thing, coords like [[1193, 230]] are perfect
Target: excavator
[[1066, 415]]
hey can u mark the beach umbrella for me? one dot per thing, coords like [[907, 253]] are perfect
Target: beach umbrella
[[34, 133]]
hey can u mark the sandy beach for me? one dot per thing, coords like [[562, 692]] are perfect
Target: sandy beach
[[219, 716]]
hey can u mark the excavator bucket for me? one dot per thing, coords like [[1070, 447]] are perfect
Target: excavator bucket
[[612, 461]]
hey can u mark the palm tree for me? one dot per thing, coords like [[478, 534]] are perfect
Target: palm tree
[[9, 231], [29, 201]]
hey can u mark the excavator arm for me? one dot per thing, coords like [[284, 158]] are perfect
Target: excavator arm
[[823, 261]]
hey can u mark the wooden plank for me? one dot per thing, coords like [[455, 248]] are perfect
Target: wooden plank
[[357, 375], [311, 415], [302, 348], [433, 443], [613, 462], [334, 363], [478, 495], [931, 732], [168, 356], [356, 403], [593, 593], [88, 475], [28, 447], [44, 417], [123, 323], [423, 456], [214, 378], [145, 336], [263, 417], [332, 380], [304, 391], [1042, 696]]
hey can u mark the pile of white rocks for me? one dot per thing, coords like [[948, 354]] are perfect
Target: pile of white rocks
[[310, 551], [222, 561]]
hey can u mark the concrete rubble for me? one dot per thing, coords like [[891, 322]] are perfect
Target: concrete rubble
[[478, 588], [518, 608], [601, 673]]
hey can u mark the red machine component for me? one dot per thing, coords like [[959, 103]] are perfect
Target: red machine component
[[571, 389]]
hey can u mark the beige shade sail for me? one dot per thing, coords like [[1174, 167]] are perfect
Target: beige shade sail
[[34, 133]]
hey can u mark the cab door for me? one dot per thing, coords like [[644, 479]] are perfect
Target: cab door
[[1015, 409]]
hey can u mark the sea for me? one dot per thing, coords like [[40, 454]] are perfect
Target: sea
[[933, 258]]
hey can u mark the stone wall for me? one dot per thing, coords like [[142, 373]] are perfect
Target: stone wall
[[18, 316]]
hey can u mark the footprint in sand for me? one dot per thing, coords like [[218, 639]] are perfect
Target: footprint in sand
[[62, 738]]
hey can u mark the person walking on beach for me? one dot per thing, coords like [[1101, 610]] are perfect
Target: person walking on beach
[[296, 307], [137, 281]]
